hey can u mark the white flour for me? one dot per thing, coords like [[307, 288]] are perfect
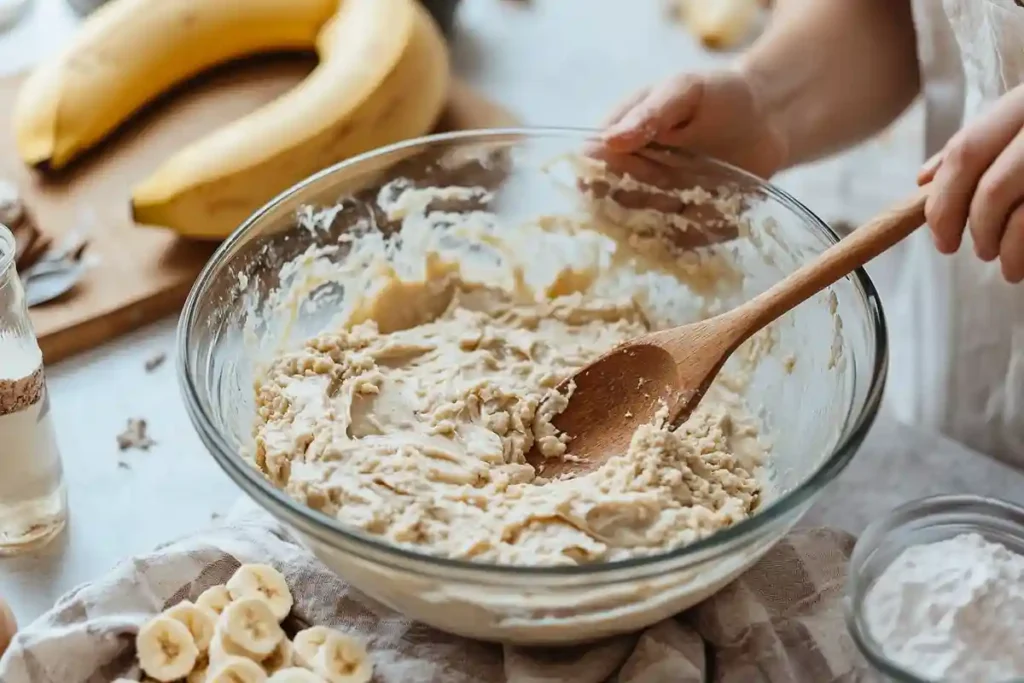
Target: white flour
[[952, 610]]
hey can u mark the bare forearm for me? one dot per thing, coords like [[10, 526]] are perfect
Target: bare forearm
[[832, 73]]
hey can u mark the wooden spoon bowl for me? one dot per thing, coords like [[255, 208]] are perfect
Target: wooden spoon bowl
[[667, 373]]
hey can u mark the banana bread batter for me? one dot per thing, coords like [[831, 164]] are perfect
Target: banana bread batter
[[411, 421]]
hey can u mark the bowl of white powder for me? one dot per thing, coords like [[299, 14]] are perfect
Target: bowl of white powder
[[371, 356], [936, 591]]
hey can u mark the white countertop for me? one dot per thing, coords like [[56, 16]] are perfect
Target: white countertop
[[561, 62]]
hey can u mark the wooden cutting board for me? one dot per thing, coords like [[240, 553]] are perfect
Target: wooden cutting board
[[143, 274]]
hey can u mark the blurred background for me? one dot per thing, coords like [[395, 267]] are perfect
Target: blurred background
[[567, 62]]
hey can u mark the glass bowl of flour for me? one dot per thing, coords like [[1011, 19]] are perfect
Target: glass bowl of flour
[[936, 591], [372, 354]]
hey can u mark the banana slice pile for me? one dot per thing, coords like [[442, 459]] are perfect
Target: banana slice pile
[[232, 634]]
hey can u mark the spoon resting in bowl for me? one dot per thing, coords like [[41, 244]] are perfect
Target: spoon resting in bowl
[[670, 371]]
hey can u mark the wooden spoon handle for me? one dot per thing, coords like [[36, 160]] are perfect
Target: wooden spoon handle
[[865, 243]]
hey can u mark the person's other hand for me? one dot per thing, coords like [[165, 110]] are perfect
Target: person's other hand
[[977, 181], [716, 114]]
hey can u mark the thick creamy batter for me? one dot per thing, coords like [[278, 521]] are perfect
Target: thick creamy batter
[[417, 431], [411, 419], [419, 436]]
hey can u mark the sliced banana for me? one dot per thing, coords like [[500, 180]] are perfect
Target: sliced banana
[[295, 675], [166, 649], [343, 659], [250, 624], [222, 648], [262, 581], [215, 599], [199, 622], [283, 657], [308, 642], [237, 670]]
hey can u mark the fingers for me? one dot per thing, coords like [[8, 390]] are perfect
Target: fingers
[[945, 210], [667, 106], [625, 107], [927, 172], [965, 159], [638, 167], [597, 148], [1011, 247], [681, 137], [999, 192]]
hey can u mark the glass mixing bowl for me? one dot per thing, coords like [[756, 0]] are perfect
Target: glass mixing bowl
[[816, 383]]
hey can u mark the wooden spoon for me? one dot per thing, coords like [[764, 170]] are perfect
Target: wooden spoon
[[673, 368]]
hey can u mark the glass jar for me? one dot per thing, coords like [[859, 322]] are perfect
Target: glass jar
[[33, 502], [927, 520]]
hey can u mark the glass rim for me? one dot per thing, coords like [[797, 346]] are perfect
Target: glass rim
[[8, 249], [943, 509], [327, 529]]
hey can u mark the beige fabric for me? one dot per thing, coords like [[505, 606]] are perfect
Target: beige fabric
[[957, 328], [781, 622]]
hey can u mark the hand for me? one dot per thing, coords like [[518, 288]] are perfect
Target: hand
[[978, 181], [717, 115]]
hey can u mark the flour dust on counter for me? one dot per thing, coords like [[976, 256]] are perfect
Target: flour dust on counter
[[135, 436]]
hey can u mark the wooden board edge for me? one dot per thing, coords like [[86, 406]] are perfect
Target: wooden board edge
[[92, 333]]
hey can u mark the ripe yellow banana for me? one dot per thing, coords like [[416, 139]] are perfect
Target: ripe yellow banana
[[383, 77], [722, 24], [130, 51]]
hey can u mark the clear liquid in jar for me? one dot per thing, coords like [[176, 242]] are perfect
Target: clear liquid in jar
[[33, 500]]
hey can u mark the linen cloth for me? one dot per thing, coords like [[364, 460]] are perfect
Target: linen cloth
[[956, 326], [781, 622]]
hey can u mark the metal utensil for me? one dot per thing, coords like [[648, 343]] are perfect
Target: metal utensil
[[59, 269], [46, 282]]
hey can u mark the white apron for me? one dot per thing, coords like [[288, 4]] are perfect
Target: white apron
[[957, 328]]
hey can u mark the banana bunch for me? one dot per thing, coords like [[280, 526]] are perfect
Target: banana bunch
[[232, 634], [382, 76]]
